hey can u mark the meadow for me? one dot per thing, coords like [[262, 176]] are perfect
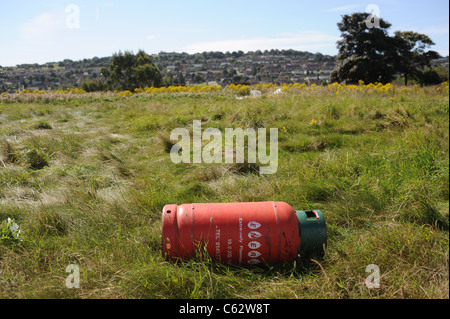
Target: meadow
[[86, 175]]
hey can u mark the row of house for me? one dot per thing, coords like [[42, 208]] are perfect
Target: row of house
[[181, 68], [44, 78], [252, 69]]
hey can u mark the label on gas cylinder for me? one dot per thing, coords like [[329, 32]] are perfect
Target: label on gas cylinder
[[254, 235], [248, 242], [243, 246]]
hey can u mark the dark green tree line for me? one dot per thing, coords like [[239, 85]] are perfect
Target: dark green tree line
[[369, 53]]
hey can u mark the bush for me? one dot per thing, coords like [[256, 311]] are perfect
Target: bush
[[94, 86], [429, 77]]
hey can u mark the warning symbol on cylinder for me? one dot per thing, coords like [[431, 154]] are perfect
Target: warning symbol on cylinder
[[254, 225], [253, 261], [254, 245], [254, 254], [254, 234]]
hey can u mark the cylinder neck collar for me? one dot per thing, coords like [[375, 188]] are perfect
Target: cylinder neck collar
[[313, 232]]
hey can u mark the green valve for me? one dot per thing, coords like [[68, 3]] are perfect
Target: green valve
[[313, 232]]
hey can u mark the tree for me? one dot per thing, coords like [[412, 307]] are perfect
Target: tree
[[368, 53], [365, 52], [412, 57], [128, 71], [198, 78], [180, 78]]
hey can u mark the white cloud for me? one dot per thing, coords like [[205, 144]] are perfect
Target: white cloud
[[444, 52], [305, 41], [43, 26], [151, 37]]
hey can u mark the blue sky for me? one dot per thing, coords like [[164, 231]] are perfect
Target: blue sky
[[39, 31]]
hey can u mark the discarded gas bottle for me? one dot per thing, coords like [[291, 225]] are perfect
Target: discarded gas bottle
[[242, 233]]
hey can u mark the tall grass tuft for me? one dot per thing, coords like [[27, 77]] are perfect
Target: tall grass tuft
[[39, 153], [49, 223], [8, 152]]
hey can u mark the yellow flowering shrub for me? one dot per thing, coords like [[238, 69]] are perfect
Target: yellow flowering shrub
[[125, 93], [240, 89]]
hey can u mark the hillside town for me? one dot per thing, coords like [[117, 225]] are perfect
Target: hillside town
[[259, 67], [272, 66], [180, 69]]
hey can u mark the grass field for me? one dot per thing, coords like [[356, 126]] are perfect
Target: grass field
[[85, 177]]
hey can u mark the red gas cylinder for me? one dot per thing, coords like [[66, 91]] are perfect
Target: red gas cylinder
[[242, 233]]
